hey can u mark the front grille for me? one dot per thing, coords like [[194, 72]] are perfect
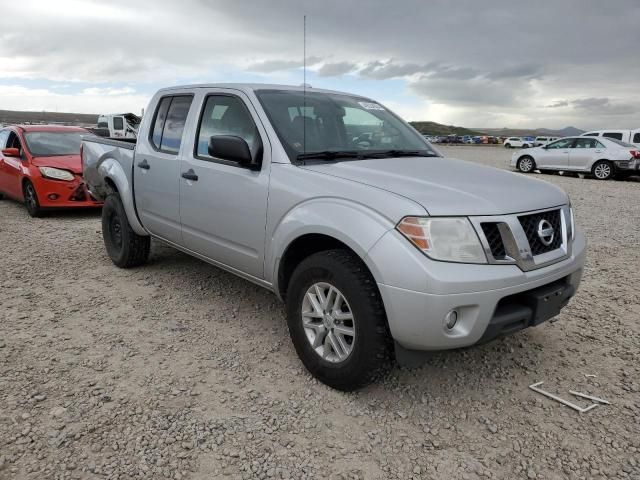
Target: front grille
[[530, 225], [494, 239]]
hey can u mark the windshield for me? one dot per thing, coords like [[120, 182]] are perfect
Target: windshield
[[338, 126], [620, 142], [45, 144]]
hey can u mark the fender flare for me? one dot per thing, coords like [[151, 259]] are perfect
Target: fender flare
[[110, 169], [354, 224]]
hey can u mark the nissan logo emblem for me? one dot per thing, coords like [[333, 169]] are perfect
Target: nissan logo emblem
[[545, 232]]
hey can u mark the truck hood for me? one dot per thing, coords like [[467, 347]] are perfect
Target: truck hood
[[445, 186], [65, 162]]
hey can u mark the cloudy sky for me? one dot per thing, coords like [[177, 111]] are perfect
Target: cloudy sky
[[491, 63]]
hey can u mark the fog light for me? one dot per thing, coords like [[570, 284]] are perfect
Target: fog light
[[53, 196], [450, 319]]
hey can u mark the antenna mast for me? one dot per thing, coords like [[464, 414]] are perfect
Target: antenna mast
[[304, 84]]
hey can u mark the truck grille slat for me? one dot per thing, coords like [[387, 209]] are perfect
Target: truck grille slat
[[494, 239], [530, 225]]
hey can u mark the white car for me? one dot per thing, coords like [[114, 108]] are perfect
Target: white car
[[517, 142], [541, 141], [628, 136], [603, 157]]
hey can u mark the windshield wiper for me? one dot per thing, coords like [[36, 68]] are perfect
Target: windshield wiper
[[399, 153], [329, 155]]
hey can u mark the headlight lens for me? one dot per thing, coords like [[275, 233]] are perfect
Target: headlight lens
[[445, 239], [56, 173]]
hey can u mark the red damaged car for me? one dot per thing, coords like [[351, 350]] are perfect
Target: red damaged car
[[41, 166]]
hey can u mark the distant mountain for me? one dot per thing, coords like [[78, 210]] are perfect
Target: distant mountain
[[433, 128], [11, 117], [517, 132]]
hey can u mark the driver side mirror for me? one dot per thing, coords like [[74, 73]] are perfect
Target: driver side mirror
[[11, 152], [235, 149]]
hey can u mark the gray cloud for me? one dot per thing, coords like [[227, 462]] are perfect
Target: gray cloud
[[558, 104], [336, 69]]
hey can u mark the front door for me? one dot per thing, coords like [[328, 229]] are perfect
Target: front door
[[223, 205], [583, 153], [157, 169], [11, 168], [555, 155]]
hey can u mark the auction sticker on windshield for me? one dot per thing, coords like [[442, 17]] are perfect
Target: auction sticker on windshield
[[371, 106]]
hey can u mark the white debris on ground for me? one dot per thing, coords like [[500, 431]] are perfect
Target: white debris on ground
[[178, 370]]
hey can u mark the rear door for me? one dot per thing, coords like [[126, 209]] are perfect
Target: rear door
[[157, 168], [583, 153], [11, 167], [555, 155], [4, 135], [223, 206]]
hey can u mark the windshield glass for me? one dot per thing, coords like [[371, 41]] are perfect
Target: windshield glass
[[45, 144], [325, 122]]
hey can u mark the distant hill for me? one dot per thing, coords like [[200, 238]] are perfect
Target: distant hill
[[516, 132], [433, 128], [11, 117]]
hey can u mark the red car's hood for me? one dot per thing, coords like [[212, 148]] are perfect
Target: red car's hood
[[72, 163]]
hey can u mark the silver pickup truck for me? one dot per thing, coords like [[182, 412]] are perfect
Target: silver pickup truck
[[376, 243]]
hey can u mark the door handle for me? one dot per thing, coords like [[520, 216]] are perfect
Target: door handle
[[144, 165], [190, 175], [598, 151]]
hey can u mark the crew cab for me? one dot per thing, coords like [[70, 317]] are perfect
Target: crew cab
[[376, 242]]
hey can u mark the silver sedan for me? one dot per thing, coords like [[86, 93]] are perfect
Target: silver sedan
[[602, 157]]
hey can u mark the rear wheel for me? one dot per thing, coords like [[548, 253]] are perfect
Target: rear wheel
[[31, 200], [337, 320], [603, 170], [125, 247], [507, 145], [526, 164]]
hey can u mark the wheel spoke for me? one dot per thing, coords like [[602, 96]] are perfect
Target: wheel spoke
[[335, 346], [320, 296], [321, 334], [344, 330], [317, 308]]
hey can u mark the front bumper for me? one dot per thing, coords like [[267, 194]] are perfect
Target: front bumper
[[64, 194], [490, 300]]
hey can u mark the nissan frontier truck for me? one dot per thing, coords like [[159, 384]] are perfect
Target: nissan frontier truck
[[377, 244]]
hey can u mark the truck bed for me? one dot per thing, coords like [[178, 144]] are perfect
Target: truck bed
[[106, 158]]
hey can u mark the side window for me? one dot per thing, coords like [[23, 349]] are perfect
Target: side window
[[636, 138], [616, 135], [564, 143], [4, 134], [118, 124], [103, 125], [594, 134], [225, 115], [168, 123], [14, 141], [599, 145], [585, 143]]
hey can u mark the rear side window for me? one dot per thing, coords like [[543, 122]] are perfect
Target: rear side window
[[169, 122], [118, 124], [616, 135], [585, 143], [636, 138], [4, 134]]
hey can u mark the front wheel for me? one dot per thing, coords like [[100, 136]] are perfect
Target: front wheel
[[603, 170], [507, 145], [31, 200], [125, 247], [526, 164], [337, 320]]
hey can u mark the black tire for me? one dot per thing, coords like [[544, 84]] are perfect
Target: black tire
[[603, 170], [31, 200], [370, 348], [507, 145], [526, 164], [125, 247]]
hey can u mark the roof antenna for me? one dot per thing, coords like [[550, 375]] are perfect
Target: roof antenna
[[304, 84]]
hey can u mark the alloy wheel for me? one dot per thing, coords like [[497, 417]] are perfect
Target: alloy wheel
[[602, 171], [328, 322], [526, 164]]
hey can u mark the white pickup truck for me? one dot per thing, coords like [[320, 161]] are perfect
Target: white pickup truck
[[376, 243]]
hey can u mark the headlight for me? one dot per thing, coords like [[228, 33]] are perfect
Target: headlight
[[446, 239], [56, 173]]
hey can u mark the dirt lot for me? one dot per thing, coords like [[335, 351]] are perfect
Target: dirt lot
[[180, 370]]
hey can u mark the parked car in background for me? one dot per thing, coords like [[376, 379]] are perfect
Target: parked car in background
[[602, 157], [374, 246], [118, 125], [627, 136], [517, 142], [40, 165], [540, 141]]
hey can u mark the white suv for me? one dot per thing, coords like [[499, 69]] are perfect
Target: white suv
[[517, 142]]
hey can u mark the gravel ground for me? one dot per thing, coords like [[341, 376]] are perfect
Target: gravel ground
[[180, 370]]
